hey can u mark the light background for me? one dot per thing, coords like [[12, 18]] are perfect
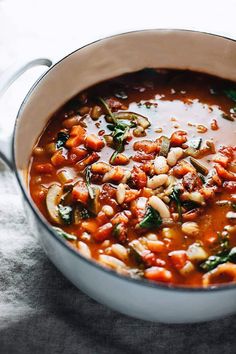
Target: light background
[[53, 28]]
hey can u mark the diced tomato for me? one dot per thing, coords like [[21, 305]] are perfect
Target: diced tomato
[[178, 138], [77, 154], [80, 192], [142, 156], [103, 232], [131, 194], [182, 168], [87, 161], [230, 186], [158, 274], [147, 146], [120, 218], [114, 103], [191, 181], [139, 177], [102, 218], [223, 160], [100, 168], [178, 258], [44, 168], [214, 124], [228, 151], [224, 174], [94, 142], [58, 159]]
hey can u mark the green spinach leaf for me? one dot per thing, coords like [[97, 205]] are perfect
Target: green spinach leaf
[[64, 234], [151, 219], [62, 138], [220, 258]]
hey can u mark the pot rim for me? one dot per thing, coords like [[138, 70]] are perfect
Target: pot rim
[[46, 224]]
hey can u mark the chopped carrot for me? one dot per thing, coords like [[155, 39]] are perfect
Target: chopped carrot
[[77, 154], [224, 174], [158, 274], [100, 167], [94, 142], [58, 159], [74, 141], [120, 159], [156, 246], [103, 232], [116, 174], [178, 258], [80, 192], [147, 146], [178, 138], [77, 130], [44, 168], [139, 177]]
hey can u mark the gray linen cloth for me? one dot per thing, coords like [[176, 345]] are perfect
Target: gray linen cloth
[[42, 312]]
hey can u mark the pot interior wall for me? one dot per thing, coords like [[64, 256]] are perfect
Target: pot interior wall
[[112, 57]]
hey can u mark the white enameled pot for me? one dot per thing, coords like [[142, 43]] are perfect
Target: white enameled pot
[[87, 66]]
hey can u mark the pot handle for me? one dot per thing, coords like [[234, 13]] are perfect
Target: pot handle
[[6, 79]]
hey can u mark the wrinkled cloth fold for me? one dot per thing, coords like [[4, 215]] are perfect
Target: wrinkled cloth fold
[[42, 312]]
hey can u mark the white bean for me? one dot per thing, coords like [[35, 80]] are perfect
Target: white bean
[[160, 165], [111, 262], [174, 155], [157, 181], [108, 210], [120, 193], [84, 249], [160, 206], [119, 251], [190, 228], [187, 268], [151, 236], [127, 175], [195, 252]]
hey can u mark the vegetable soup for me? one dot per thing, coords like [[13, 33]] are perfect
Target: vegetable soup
[[138, 173]]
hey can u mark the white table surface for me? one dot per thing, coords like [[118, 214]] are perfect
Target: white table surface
[[53, 28]]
